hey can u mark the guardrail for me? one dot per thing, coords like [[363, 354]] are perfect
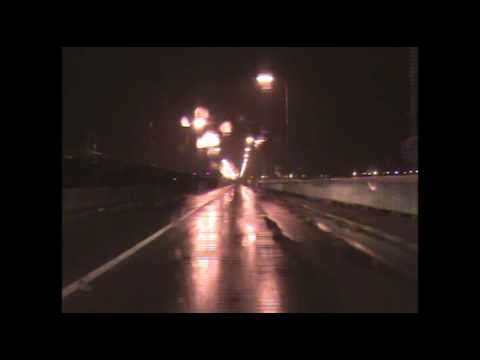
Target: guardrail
[[396, 193]]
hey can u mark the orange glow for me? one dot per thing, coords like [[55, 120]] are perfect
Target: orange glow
[[201, 112], [185, 122], [199, 123], [226, 128], [209, 139]]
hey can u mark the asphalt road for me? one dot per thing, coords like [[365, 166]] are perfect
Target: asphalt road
[[238, 250]]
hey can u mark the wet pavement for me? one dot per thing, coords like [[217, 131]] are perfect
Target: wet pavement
[[232, 250]]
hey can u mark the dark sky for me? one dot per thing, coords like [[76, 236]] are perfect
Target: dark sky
[[348, 106]]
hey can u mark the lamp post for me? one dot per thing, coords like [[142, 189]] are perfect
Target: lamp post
[[265, 82]]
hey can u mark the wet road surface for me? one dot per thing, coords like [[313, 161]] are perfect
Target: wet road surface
[[237, 250]]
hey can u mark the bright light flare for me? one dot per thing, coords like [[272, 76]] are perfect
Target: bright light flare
[[375, 172], [226, 128], [247, 149], [185, 122], [209, 139], [249, 139], [199, 123], [228, 171], [354, 173]]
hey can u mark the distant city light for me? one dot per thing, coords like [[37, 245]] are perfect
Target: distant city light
[[375, 172], [411, 171], [290, 176], [209, 139], [354, 173], [369, 173], [416, 171], [174, 179], [249, 139], [199, 123], [247, 149], [396, 172], [185, 122], [388, 173]]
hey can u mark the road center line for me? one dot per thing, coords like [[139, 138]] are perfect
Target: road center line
[[82, 282]]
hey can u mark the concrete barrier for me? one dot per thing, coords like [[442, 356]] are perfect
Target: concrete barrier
[[393, 193]]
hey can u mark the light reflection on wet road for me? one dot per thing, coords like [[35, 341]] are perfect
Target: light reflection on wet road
[[224, 258]]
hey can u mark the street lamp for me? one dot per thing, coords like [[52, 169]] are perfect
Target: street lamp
[[265, 82]]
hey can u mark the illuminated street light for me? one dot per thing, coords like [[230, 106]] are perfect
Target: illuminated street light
[[354, 173], [199, 123], [396, 172], [265, 81], [375, 172], [416, 171], [201, 112], [185, 122], [249, 139], [209, 139], [226, 128]]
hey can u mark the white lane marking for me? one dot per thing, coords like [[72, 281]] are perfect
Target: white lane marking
[[83, 282]]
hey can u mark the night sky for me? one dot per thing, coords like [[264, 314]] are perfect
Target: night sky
[[348, 107]]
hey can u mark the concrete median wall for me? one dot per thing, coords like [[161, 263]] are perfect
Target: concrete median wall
[[393, 193]]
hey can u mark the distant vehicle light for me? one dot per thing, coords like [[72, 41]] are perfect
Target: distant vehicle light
[[354, 173], [375, 172], [396, 172]]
